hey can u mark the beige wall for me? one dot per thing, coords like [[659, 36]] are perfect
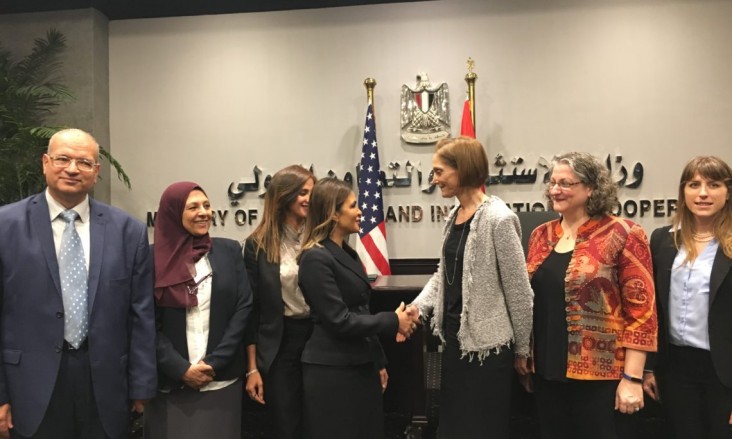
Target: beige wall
[[208, 98]]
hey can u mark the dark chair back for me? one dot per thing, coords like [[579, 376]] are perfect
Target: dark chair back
[[531, 220]]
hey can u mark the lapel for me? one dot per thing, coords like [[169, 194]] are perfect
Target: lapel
[[40, 224], [664, 263], [216, 262], [720, 269], [344, 257], [97, 234], [271, 272], [214, 259]]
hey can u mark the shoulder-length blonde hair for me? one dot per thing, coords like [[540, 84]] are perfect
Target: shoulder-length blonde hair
[[282, 191], [683, 225], [327, 198]]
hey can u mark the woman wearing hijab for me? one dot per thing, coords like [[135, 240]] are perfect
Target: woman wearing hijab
[[203, 300], [280, 323]]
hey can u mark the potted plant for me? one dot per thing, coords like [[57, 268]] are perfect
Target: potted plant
[[30, 91]]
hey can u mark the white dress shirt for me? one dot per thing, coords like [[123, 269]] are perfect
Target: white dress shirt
[[58, 224], [197, 321]]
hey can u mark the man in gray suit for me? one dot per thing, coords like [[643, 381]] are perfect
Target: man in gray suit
[[77, 324]]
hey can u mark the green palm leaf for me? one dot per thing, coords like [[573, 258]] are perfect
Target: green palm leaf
[[31, 89]]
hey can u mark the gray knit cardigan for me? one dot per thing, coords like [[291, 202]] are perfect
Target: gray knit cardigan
[[497, 296]]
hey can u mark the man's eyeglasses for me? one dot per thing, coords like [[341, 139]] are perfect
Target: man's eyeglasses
[[563, 184], [61, 161]]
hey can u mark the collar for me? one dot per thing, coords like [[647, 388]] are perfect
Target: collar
[[55, 208], [292, 235]]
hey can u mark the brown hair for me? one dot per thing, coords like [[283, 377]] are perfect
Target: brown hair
[[283, 189], [467, 156], [683, 225], [327, 198]]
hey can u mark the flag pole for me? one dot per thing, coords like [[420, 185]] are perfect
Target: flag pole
[[470, 78], [370, 83]]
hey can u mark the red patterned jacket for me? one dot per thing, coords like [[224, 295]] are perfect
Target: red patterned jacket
[[609, 294]]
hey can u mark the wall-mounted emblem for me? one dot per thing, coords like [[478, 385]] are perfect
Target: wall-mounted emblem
[[425, 111]]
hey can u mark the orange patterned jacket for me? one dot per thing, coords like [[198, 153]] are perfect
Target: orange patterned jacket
[[609, 292]]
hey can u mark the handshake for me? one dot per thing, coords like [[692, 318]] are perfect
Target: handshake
[[408, 321]]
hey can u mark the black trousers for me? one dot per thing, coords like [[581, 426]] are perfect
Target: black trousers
[[695, 401], [578, 409], [72, 411], [283, 391]]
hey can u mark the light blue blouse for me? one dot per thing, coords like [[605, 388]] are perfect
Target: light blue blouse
[[689, 298]]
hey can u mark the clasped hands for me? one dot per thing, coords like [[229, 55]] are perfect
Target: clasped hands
[[408, 321], [198, 375]]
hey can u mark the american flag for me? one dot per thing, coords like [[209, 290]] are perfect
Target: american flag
[[371, 246]]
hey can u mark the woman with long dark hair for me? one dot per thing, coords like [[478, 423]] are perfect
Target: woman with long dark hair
[[280, 322], [344, 367]]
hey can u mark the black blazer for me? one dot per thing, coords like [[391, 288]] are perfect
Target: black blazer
[[663, 252], [335, 286], [231, 302], [265, 325]]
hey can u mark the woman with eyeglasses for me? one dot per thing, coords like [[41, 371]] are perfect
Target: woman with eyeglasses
[[594, 306], [203, 300], [479, 300], [692, 262], [280, 323]]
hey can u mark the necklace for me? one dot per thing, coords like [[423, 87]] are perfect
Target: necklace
[[703, 237], [457, 252], [568, 230]]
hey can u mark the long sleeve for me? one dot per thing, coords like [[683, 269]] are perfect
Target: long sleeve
[[233, 336], [516, 288], [142, 375], [318, 283], [637, 292], [251, 334]]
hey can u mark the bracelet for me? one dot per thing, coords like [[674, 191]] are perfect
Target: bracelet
[[251, 372], [630, 378]]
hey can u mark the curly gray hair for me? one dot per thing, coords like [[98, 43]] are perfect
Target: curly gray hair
[[593, 174]]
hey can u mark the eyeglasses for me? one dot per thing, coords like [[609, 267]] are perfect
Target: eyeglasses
[[563, 184], [194, 289], [64, 162]]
